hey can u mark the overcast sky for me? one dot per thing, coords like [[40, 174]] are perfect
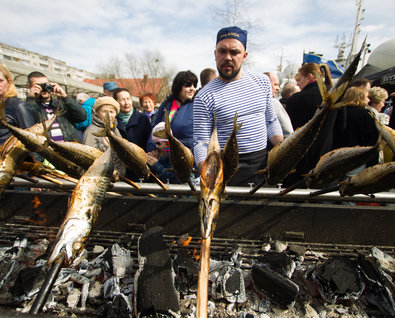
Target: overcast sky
[[86, 33]]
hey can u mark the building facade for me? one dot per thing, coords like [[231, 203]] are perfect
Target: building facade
[[42, 63]]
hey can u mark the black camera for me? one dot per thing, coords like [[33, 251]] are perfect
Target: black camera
[[46, 87]]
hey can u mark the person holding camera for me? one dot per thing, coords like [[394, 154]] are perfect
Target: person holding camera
[[44, 97]]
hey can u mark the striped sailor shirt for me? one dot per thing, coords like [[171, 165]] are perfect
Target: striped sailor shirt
[[251, 98]]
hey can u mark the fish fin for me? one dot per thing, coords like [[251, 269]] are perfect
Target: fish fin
[[108, 124], [59, 112], [263, 171], [321, 86], [100, 133], [167, 124], [106, 131], [338, 105], [348, 75], [381, 143], [45, 129], [213, 144], [338, 92], [235, 124], [45, 134]]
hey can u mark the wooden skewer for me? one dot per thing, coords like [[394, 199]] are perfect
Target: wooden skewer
[[159, 182], [128, 181], [202, 294]]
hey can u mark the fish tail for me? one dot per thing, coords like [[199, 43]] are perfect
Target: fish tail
[[58, 111], [381, 143], [108, 125], [337, 105], [235, 124], [167, 123], [106, 131], [45, 133]]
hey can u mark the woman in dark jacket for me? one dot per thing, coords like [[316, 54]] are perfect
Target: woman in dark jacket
[[179, 105], [360, 128], [17, 111], [133, 125]]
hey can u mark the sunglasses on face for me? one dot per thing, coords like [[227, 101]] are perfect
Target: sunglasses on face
[[189, 84]]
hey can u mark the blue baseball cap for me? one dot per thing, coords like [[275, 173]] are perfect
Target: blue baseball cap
[[110, 86], [233, 32]]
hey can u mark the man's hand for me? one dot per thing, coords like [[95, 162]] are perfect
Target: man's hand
[[58, 91], [34, 91], [276, 139]]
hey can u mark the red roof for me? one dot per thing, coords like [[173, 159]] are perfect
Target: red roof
[[136, 86]]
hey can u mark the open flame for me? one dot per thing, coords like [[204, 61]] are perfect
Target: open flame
[[39, 217], [185, 241]]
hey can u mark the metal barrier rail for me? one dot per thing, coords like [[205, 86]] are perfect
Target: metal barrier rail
[[230, 191]]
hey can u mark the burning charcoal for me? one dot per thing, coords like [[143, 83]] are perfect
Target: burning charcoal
[[280, 246], [28, 282], [386, 262], [104, 261], [279, 262], [95, 289], [85, 282], [187, 271], [338, 278], [120, 307], [259, 305], [127, 285], [297, 249], [380, 290], [277, 288], [97, 249], [73, 298], [111, 288], [154, 288], [228, 283], [121, 261]]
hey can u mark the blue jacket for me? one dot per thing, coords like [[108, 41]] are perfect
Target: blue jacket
[[87, 106], [181, 124], [137, 130], [161, 170]]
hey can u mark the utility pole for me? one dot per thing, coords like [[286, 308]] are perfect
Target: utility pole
[[357, 30]]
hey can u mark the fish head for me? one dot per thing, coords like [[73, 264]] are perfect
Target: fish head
[[70, 240]]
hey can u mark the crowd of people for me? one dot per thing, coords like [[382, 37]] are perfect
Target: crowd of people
[[193, 113]]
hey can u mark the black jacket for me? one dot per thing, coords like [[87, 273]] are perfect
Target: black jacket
[[73, 114], [137, 130], [17, 114]]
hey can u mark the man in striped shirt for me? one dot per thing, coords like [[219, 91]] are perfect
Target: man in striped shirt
[[236, 91]]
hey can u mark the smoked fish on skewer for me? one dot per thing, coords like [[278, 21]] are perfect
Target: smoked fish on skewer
[[132, 156], [285, 156], [211, 189], [13, 151], [181, 157]]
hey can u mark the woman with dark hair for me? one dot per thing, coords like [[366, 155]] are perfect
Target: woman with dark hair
[[179, 106], [133, 125]]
